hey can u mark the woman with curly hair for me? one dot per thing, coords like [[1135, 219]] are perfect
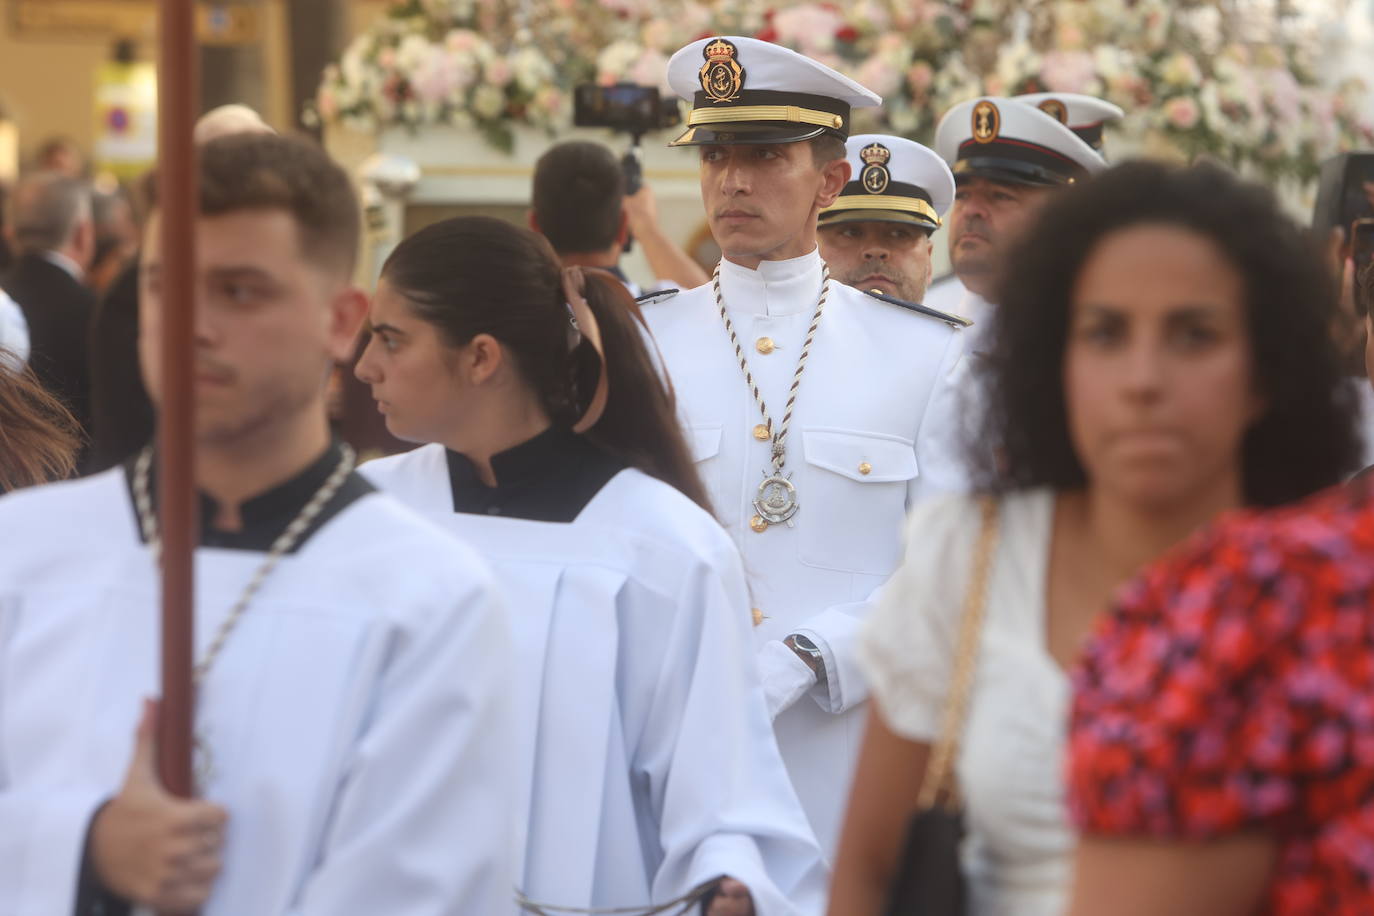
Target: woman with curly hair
[[38, 437], [1162, 356]]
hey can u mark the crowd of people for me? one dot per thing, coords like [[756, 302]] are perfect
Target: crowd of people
[[797, 586]]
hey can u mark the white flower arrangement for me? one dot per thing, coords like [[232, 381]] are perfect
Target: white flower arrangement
[[1194, 76]]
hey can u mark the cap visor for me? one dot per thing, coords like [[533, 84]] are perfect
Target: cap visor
[[745, 132]]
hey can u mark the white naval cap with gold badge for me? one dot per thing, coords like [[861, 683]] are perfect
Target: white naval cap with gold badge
[[744, 90], [895, 180], [1085, 115], [1010, 141]]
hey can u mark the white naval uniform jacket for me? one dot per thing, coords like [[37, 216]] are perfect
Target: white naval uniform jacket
[[857, 453]]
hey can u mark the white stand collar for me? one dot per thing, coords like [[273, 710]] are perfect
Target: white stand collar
[[775, 288]]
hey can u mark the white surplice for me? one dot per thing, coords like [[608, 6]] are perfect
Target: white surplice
[[863, 446], [649, 763], [358, 720]]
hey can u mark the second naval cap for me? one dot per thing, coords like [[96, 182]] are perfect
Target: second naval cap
[[1009, 141], [1085, 115], [894, 180], [744, 90]]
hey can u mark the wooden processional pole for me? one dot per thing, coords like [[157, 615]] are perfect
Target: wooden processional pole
[[178, 204]]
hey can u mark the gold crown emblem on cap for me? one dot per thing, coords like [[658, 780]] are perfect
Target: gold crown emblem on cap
[[722, 77], [1055, 109], [875, 154], [875, 177]]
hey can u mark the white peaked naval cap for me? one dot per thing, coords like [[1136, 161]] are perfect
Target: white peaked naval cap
[[1010, 141], [893, 180], [744, 90], [1085, 115]]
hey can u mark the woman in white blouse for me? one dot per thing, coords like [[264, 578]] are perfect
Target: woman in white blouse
[[1162, 356]]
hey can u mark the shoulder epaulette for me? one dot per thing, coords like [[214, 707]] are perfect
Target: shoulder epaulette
[[657, 296], [955, 321]]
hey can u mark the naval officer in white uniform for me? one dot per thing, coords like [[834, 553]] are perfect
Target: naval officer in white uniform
[[805, 399], [1007, 157], [1085, 115], [876, 235]]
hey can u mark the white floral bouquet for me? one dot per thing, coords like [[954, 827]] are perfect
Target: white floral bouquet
[[462, 63], [1195, 77]]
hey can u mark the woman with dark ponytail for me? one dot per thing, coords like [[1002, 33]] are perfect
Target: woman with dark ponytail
[[651, 769]]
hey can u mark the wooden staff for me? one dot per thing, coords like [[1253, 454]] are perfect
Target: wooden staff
[[178, 204]]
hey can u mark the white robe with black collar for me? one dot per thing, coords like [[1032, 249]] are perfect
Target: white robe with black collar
[[649, 764], [358, 716]]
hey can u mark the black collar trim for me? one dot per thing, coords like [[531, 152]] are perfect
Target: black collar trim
[[549, 478], [266, 516]]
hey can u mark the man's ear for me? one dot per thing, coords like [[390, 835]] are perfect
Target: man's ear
[[834, 176], [347, 310], [533, 221], [623, 233]]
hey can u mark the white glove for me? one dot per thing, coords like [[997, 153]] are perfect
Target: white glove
[[786, 678]]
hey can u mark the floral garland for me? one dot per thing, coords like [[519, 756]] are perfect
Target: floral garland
[[1194, 76]]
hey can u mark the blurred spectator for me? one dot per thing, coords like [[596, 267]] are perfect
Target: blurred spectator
[[116, 237], [1149, 371], [1221, 753], [580, 206], [49, 223], [62, 156]]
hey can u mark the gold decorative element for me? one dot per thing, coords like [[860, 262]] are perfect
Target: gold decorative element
[[765, 345], [865, 468], [987, 122], [875, 176], [722, 77], [761, 432], [758, 524], [789, 113], [1055, 109], [759, 616], [884, 202]]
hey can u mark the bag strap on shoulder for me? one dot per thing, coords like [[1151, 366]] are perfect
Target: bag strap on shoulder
[[937, 788]]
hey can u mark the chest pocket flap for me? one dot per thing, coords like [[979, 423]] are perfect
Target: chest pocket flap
[[704, 442], [862, 457]]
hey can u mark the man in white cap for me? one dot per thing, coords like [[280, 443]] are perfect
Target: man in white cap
[[1085, 116], [875, 237], [1007, 156], [805, 399]]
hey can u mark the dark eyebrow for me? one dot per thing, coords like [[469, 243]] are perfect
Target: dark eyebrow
[[384, 328], [240, 272]]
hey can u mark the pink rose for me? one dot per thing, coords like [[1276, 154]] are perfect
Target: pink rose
[[1182, 112], [1068, 71], [920, 76]]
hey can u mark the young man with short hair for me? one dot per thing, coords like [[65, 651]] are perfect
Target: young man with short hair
[[351, 721]]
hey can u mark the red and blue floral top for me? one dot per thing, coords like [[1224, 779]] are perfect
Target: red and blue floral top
[[1232, 690]]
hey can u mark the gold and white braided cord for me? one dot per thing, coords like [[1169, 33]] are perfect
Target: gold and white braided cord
[[779, 437]]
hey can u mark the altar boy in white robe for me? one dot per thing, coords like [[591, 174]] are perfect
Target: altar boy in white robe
[[353, 731], [649, 771]]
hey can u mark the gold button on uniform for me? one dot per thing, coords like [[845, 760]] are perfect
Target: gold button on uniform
[[761, 432], [758, 524], [765, 345], [865, 469], [758, 617]]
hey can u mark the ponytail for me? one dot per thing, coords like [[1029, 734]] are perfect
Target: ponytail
[[640, 421], [473, 275]]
